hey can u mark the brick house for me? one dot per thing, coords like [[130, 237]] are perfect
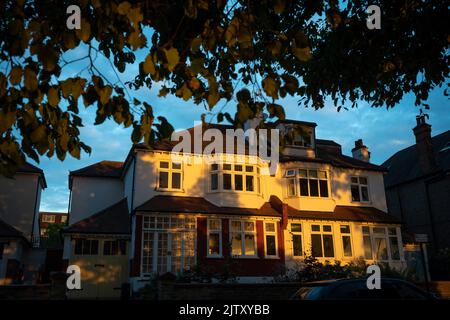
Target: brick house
[[152, 214], [50, 218]]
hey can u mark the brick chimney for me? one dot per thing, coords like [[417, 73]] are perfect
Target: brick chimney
[[360, 151], [424, 146]]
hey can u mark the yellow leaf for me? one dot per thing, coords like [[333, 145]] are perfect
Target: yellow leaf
[[149, 66], [303, 54], [105, 93], [38, 134], [66, 87], [30, 81], [16, 75], [85, 32], [194, 83], [69, 40], [172, 58], [64, 140], [75, 152], [135, 15], [124, 8], [77, 87], [184, 92], [270, 86], [136, 39], [53, 97], [7, 120]]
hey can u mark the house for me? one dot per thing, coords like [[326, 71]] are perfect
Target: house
[[153, 214], [46, 219], [19, 225], [418, 186]]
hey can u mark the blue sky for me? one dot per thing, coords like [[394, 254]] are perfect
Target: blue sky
[[383, 131]]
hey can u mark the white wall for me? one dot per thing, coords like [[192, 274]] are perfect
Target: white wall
[[18, 201], [90, 195]]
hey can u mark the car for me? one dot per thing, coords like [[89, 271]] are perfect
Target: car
[[356, 289]]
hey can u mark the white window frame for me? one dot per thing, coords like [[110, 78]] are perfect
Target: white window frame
[[271, 233], [209, 232], [297, 177], [342, 240], [170, 170], [386, 237], [297, 233], [359, 185], [322, 233], [233, 172], [243, 233]]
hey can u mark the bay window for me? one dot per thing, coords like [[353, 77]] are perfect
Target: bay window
[[359, 189], [237, 177], [214, 237], [322, 241], [243, 238], [270, 239], [170, 175]]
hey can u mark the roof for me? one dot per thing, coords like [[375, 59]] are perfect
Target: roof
[[106, 168], [8, 231], [306, 123], [273, 207], [404, 165], [29, 168], [112, 220]]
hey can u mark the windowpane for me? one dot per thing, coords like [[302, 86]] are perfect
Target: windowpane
[[297, 245], [345, 229], [176, 166], [235, 226], [237, 167], [249, 183], [313, 188], [238, 182], [302, 173], [214, 244], [354, 179], [328, 245], [250, 245], [226, 166], [249, 168], [214, 167], [392, 231], [327, 228], [78, 246], [164, 164], [367, 247], [291, 187], [304, 187], [249, 226], [214, 224], [227, 181], [323, 175], [395, 252], [355, 193], [379, 230], [364, 193], [381, 249], [270, 227], [312, 173], [2, 247], [296, 227], [323, 188], [176, 180], [164, 180], [365, 230], [271, 245], [315, 227], [214, 181], [94, 247], [122, 247], [316, 245], [347, 246], [363, 180]]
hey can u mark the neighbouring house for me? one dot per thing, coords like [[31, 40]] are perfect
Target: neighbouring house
[[46, 219], [20, 197], [418, 186], [156, 213]]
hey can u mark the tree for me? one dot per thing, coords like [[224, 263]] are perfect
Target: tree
[[252, 51]]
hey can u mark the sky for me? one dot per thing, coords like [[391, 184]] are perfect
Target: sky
[[383, 131]]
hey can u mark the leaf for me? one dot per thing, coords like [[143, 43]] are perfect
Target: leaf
[[149, 66], [184, 92], [270, 86], [53, 96], [136, 39], [66, 87], [38, 134], [163, 92], [105, 93], [75, 152], [276, 110], [172, 58], [30, 82], [124, 8], [15, 76], [194, 83], [302, 54], [84, 33], [135, 16], [7, 120]]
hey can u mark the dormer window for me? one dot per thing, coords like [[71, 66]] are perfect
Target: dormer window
[[170, 176], [299, 136]]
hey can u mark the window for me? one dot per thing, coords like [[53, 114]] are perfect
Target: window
[[243, 238], [214, 237], [311, 183], [367, 243], [271, 239], [2, 248], [346, 240], [168, 244], [63, 219], [299, 137], [86, 247], [114, 248], [236, 177], [322, 241], [170, 175], [297, 246], [360, 189], [43, 231], [48, 218], [393, 244], [381, 251]]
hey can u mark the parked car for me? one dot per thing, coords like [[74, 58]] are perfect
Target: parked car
[[356, 289]]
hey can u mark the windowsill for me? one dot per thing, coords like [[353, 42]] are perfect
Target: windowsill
[[214, 257], [244, 257], [170, 190], [272, 257], [361, 202], [234, 191]]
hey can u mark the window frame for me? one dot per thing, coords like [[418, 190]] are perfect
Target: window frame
[[349, 234], [271, 233], [243, 233], [297, 233], [321, 232], [82, 247], [360, 186], [170, 171], [209, 232], [220, 172], [373, 236], [297, 184]]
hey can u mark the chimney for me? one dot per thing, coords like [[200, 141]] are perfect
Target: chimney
[[360, 151], [424, 146]]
